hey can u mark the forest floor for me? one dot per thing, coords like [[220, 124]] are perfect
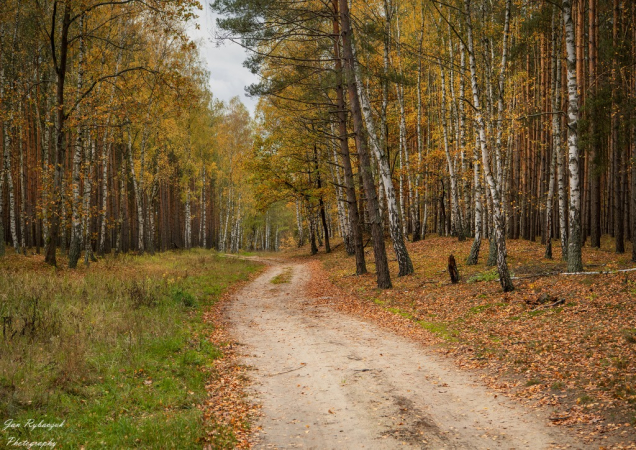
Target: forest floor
[[336, 363]]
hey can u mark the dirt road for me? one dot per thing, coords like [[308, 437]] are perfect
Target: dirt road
[[329, 381]]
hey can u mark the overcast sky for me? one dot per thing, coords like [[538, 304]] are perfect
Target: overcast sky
[[228, 77]]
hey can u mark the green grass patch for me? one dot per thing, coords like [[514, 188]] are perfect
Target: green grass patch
[[491, 275], [117, 353], [283, 277], [439, 328]]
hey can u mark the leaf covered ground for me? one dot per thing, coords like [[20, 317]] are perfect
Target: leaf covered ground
[[575, 353]]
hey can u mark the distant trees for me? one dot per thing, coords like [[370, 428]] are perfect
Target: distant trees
[[111, 140]]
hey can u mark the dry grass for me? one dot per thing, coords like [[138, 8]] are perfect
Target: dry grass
[[115, 349]]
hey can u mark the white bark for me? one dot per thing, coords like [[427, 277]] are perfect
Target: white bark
[[455, 208], [299, 224], [76, 224], [138, 187], [395, 227], [409, 175], [88, 188], [575, 263], [498, 219], [23, 217], [556, 130], [188, 222], [203, 238], [473, 257]]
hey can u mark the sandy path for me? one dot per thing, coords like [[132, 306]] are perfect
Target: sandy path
[[329, 381]]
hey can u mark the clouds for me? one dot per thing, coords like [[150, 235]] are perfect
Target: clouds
[[228, 77]]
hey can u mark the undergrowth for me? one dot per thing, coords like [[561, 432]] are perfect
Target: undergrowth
[[116, 354]]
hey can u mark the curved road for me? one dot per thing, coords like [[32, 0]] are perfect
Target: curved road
[[329, 381]]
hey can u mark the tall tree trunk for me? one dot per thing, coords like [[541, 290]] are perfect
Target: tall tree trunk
[[88, 190], [473, 256], [76, 225], [188, 222], [556, 129], [379, 250], [321, 203], [403, 136], [633, 192], [498, 217], [454, 195], [575, 262], [10, 187], [617, 151], [395, 225], [417, 226], [23, 195], [299, 224], [343, 140], [60, 132], [138, 187], [203, 242], [594, 170], [462, 139]]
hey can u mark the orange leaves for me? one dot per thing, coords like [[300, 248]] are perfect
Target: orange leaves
[[227, 408], [577, 357]]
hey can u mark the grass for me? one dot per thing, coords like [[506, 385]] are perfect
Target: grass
[[283, 277], [116, 352], [491, 275]]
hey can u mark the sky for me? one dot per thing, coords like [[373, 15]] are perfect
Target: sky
[[224, 60]]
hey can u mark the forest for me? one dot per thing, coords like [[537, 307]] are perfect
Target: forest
[[501, 120], [112, 140], [150, 231], [483, 120]]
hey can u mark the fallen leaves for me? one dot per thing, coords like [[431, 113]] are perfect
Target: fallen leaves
[[567, 343], [227, 412]]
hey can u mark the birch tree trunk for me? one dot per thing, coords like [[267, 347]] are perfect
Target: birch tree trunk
[[498, 218], [451, 168], [407, 162], [60, 144], [22, 194], [473, 256], [462, 139], [379, 250], [188, 221], [299, 224], [76, 224], [10, 187], [122, 199], [417, 225], [395, 226], [575, 262], [556, 128], [138, 188], [204, 212]]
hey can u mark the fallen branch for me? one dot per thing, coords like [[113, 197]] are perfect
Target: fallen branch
[[602, 272], [558, 302], [287, 371]]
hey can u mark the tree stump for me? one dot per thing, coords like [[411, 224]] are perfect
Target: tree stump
[[452, 269]]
